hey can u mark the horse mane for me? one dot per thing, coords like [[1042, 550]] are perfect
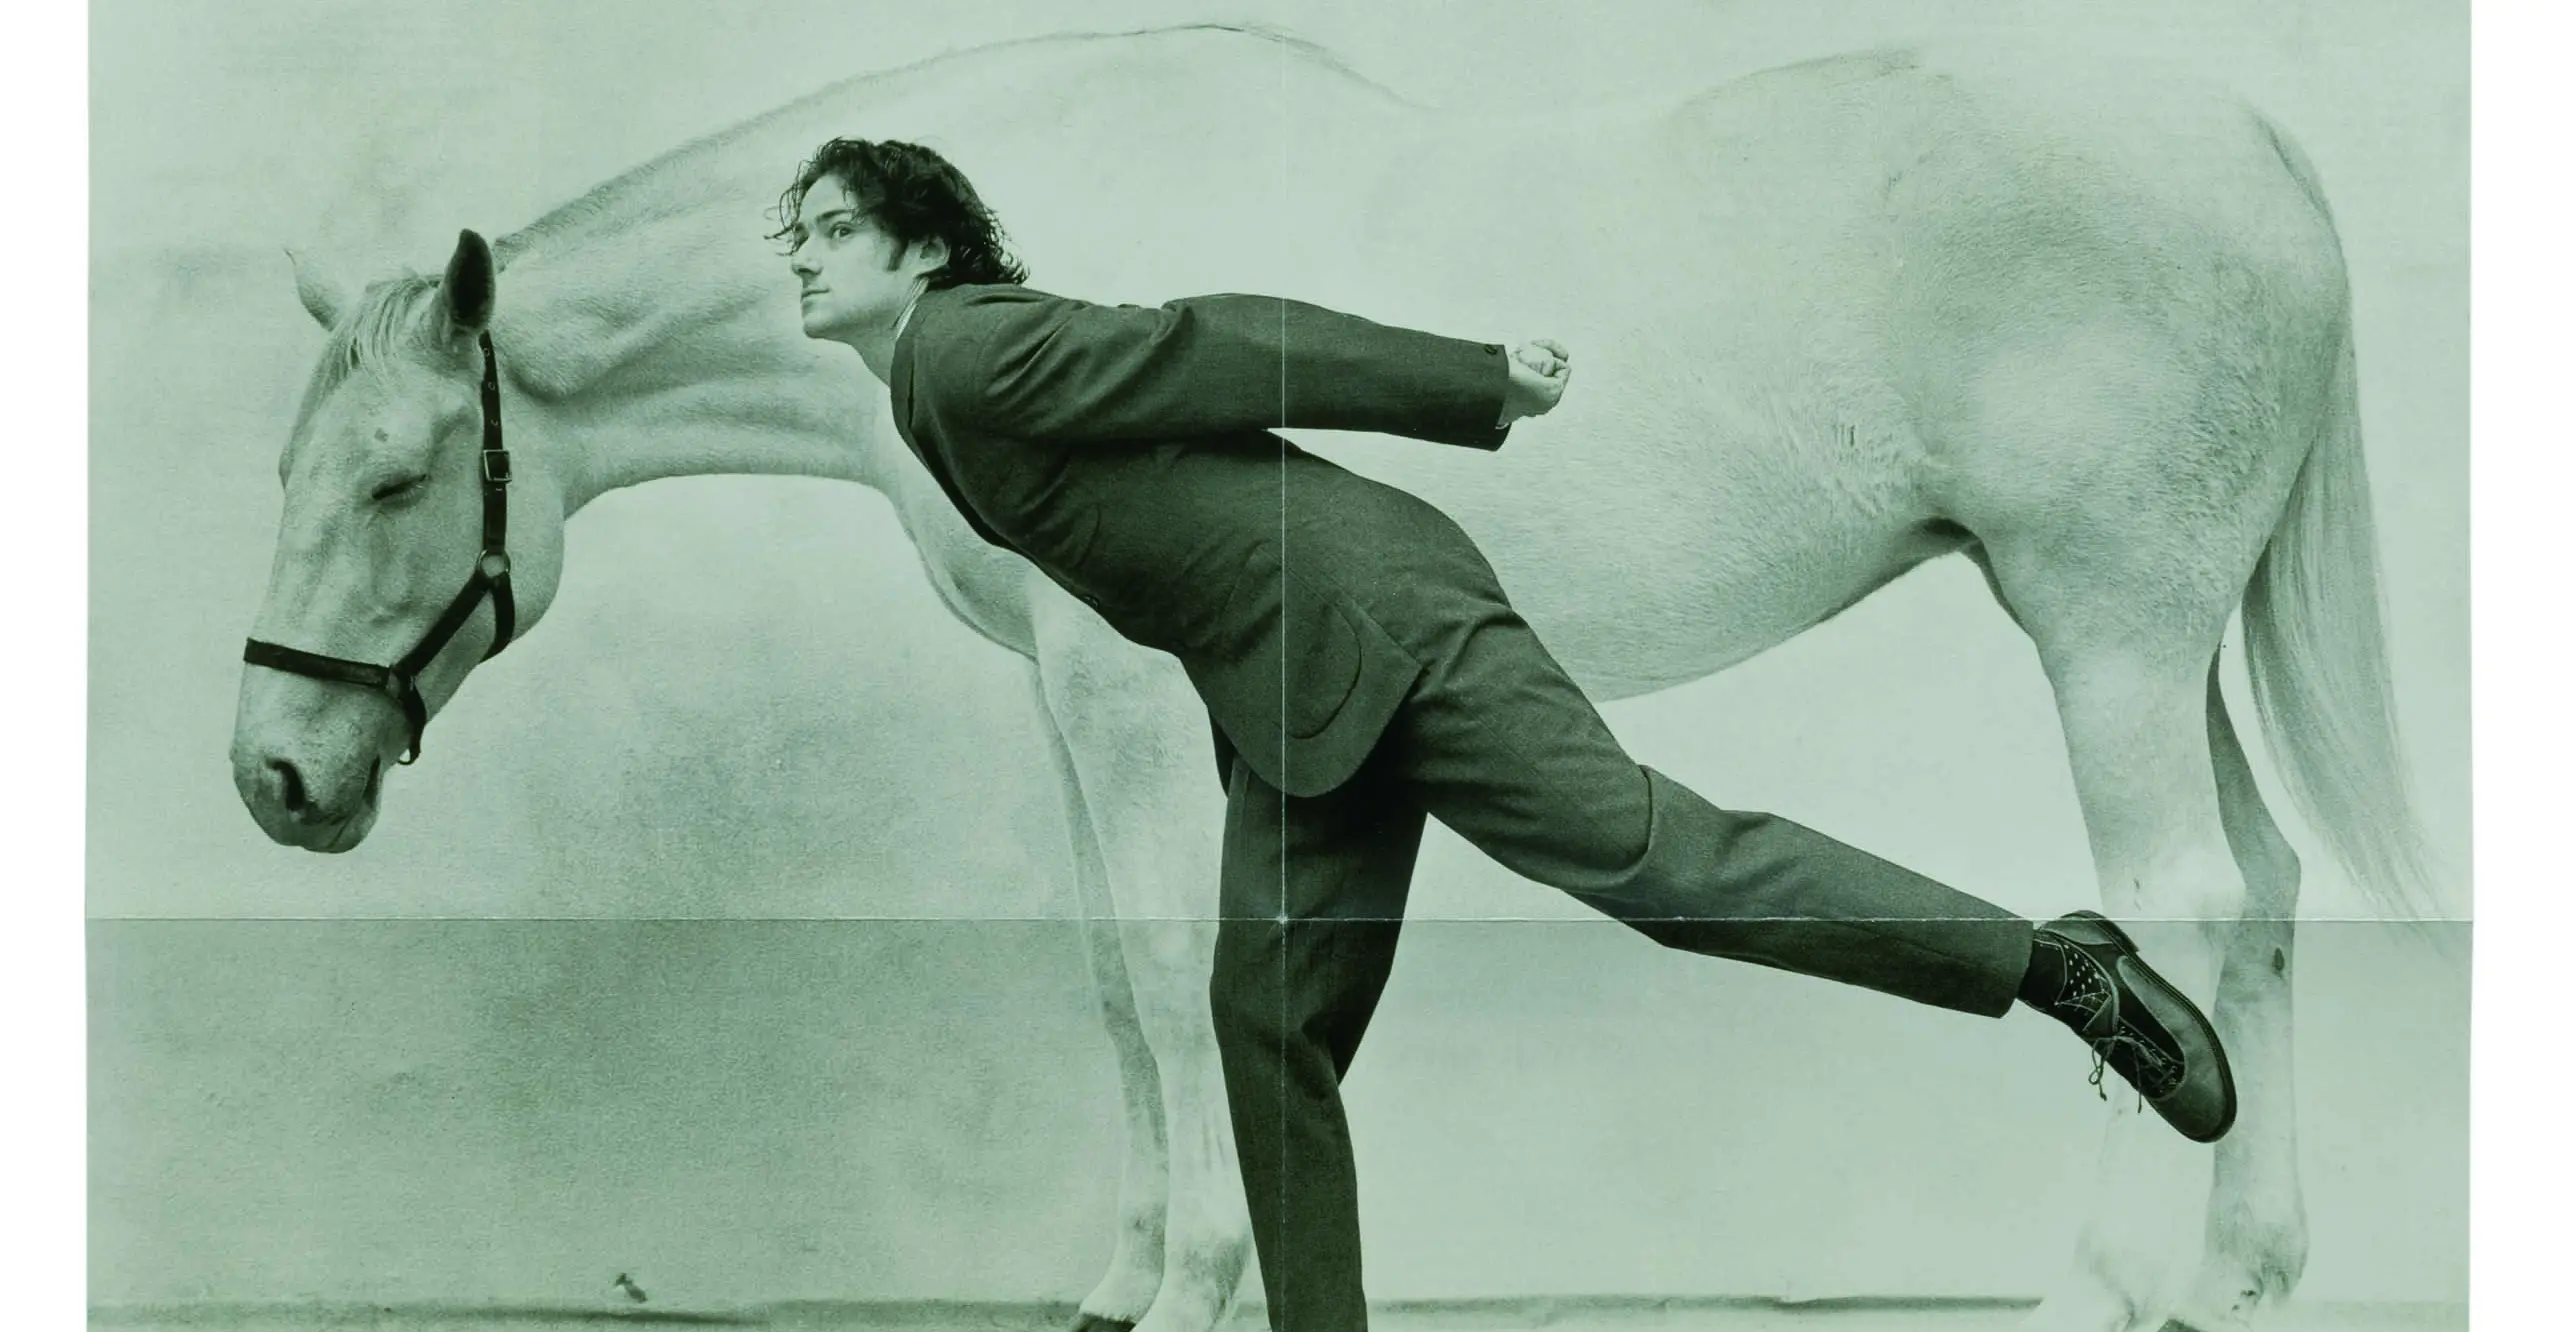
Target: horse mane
[[375, 333], [610, 201]]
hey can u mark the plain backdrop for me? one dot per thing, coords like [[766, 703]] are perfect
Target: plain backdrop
[[747, 704]]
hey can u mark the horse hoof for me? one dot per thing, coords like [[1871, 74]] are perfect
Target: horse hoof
[[1086, 1322]]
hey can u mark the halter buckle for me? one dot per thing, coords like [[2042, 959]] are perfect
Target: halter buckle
[[496, 467], [494, 565]]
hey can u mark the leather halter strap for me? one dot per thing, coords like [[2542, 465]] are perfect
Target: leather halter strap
[[491, 579]]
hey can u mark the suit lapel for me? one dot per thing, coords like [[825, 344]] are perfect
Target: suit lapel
[[902, 406]]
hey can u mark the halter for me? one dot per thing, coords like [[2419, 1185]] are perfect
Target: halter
[[489, 578]]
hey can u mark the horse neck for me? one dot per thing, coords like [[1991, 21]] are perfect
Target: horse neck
[[659, 328], [670, 348]]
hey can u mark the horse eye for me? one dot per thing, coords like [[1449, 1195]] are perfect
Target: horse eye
[[396, 489]]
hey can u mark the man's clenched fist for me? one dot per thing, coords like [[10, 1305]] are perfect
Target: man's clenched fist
[[1539, 372]]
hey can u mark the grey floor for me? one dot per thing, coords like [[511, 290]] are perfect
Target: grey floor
[[1559, 1315]]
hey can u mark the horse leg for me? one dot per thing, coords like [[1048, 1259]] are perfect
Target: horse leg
[[2133, 721], [2255, 1236], [1138, 741], [2128, 622], [1129, 1284]]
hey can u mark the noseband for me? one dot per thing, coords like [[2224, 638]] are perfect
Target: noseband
[[489, 578]]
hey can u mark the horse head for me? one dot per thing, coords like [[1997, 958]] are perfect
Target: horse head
[[414, 543]]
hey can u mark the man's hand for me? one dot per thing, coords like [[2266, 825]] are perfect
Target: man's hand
[[1538, 375]]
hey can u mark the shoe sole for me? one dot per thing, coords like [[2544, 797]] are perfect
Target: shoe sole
[[2160, 984]]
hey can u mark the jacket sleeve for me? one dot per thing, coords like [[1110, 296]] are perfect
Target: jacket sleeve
[[1074, 372]]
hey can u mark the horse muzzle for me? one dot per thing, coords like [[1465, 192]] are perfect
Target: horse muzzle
[[303, 799]]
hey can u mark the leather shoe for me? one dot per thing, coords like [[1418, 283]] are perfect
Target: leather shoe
[[2138, 1024]]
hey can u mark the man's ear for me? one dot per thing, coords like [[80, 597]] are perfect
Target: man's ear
[[936, 255]]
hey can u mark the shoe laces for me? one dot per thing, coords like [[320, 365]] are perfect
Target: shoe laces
[[2089, 991]]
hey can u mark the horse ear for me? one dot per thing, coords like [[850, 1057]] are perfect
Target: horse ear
[[324, 298], [470, 286]]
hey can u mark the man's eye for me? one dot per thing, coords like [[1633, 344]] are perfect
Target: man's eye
[[400, 489]]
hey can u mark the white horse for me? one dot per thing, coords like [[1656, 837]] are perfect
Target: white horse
[[1833, 320]]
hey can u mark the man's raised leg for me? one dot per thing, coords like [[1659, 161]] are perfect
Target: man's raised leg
[[1499, 744]]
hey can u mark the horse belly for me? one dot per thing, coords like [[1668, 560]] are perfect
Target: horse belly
[[1731, 464]]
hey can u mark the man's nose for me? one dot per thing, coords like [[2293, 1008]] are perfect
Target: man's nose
[[800, 264]]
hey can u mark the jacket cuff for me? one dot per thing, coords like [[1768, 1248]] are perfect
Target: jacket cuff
[[1491, 436]]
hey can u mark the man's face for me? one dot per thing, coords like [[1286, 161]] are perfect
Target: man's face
[[849, 283]]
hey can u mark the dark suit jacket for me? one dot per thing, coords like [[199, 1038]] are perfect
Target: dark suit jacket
[[1127, 452]]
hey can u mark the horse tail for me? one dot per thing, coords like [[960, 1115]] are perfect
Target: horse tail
[[2312, 621]]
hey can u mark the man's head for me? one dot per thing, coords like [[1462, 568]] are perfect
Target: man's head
[[869, 225]]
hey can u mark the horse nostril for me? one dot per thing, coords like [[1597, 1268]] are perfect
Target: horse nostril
[[296, 799]]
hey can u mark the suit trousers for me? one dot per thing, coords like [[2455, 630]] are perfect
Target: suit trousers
[[1500, 745]]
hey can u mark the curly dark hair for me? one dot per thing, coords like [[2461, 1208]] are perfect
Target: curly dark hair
[[914, 195]]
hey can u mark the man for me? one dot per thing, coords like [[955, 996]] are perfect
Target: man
[[1379, 675]]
